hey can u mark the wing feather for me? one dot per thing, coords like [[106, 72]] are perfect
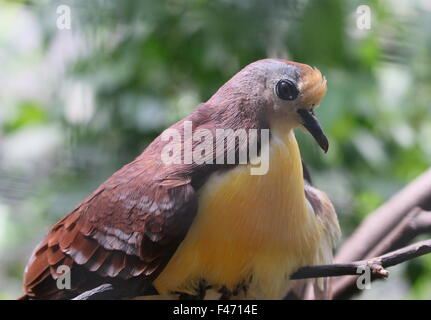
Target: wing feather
[[128, 229], [119, 235]]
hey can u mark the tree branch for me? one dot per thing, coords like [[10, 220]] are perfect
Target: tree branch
[[380, 223], [415, 223], [390, 227]]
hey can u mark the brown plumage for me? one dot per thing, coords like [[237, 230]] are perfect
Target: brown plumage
[[126, 232]]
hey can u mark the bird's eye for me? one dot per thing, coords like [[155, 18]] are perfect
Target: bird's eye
[[286, 90]]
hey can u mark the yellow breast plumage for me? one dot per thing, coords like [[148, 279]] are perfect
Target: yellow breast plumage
[[249, 228]]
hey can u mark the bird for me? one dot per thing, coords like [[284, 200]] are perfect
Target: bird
[[187, 228]]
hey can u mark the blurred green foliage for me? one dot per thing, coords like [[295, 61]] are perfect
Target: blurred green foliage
[[127, 69], [28, 113]]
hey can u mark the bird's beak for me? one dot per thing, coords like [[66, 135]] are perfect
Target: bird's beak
[[310, 122]]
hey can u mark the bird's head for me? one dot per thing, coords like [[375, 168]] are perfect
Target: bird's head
[[282, 91]]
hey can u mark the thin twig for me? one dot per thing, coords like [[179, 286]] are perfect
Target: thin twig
[[101, 292], [377, 267], [377, 264]]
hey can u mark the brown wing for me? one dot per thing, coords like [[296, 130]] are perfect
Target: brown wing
[[125, 231]]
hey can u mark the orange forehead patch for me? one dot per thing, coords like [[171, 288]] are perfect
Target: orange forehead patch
[[312, 85]]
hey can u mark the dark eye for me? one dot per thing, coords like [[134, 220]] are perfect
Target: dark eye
[[286, 90]]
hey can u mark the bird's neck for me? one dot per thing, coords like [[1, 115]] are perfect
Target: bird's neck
[[283, 129], [286, 158], [283, 139], [286, 170]]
